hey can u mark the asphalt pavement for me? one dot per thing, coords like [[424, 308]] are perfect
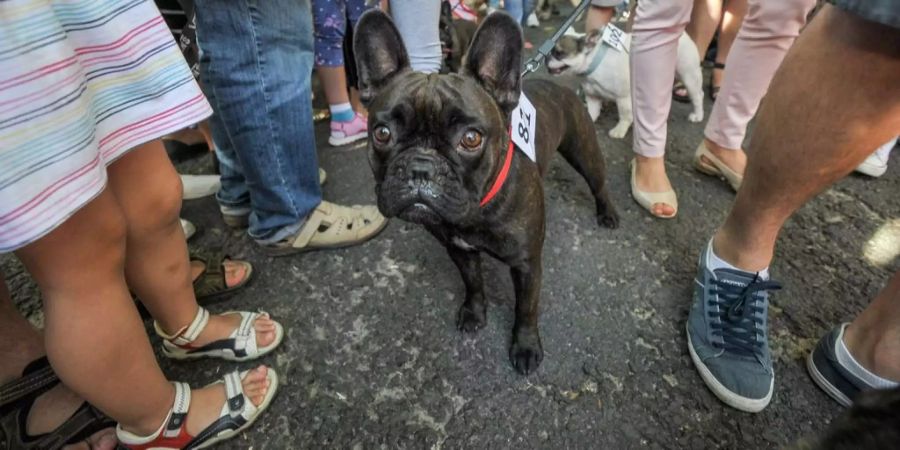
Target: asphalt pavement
[[373, 359]]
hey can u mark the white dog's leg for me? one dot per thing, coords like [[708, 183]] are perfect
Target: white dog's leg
[[688, 71], [625, 118], [594, 105]]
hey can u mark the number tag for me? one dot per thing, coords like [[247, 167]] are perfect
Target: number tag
[[614, 37], [523, 130]]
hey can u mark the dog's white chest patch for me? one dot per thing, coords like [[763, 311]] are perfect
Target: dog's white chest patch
[[459, 242]]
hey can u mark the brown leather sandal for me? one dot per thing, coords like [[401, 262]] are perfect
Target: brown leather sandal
[[16, 400]]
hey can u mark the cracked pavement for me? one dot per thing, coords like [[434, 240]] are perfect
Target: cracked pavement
[[372, 357]]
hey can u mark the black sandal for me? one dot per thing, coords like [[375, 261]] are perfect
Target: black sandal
[[211, 285], [16, 399], [713, 89]]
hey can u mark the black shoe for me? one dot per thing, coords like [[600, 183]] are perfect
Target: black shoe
[[828, 373]]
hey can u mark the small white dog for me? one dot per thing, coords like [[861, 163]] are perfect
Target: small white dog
[[606, 73]]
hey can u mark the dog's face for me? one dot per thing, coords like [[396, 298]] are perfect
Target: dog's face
[[572, 52], [435, 141]]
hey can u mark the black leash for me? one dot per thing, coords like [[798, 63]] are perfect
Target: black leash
[[535, 62]]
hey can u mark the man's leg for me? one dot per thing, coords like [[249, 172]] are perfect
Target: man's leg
[[863, 355], [804, 141], [257, 63], [768, 30], [873, 338]]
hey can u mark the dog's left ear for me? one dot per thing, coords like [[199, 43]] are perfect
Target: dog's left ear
[[380, 53], [495, 59]]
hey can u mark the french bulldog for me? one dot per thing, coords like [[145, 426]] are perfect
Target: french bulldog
[[610, 77], [439, 147], [455, 37]]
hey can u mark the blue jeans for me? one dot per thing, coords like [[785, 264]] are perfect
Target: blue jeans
[[256, 63], [519, 9]]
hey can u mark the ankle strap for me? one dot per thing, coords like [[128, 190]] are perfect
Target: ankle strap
[[172, 428], [186, 335]]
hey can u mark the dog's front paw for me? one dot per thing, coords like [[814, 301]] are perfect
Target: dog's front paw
[[608, 220], [471, 317], [618, 132], [695, 117], [526, 352]]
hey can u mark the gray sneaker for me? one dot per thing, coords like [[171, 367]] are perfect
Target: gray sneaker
[[727, 335]]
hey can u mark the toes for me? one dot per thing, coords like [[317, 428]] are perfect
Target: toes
[[662, 209], [235, 272], [266, 331], [256, 385]]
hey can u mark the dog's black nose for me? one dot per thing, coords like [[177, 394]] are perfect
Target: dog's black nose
[[421, 168]]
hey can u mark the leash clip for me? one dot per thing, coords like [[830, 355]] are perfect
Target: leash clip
[[535, 62]]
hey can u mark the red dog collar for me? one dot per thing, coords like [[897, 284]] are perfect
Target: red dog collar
[[501, 177]]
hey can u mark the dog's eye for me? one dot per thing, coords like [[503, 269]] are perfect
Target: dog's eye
[[382, 134], [471, 140]]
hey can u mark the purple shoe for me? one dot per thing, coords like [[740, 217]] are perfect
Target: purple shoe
[[343, 133]]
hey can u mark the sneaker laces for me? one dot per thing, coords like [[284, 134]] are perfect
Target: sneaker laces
[[740, 312]]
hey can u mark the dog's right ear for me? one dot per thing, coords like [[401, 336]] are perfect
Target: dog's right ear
[[380, 53]]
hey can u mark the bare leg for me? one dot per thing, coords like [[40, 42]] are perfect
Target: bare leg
[[20, 344], [705, 18], [334, 80], [728, 30], [148, 189], [874, 337], [598, 17], [93, 331], [805, 141]]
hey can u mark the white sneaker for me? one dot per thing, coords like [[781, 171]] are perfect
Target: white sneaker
[[532, 20], [874, 166], [189, 229], [199, 186]]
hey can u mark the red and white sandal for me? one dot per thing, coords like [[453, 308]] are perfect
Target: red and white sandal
[[239, 346], [237, 414]]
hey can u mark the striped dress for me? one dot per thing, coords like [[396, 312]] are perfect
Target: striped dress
[[81, 83]]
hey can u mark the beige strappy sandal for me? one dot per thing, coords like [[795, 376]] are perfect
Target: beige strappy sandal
[[716, 167], [648, 199], [332, 226]]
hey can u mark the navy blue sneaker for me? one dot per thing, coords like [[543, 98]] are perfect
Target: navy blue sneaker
[[727, 335], [828, 373]]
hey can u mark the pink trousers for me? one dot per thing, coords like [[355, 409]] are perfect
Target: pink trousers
[[769, 29]]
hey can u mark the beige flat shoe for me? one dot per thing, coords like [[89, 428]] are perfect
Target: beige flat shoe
[[648, 199], [332, 226], [717, 168]]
